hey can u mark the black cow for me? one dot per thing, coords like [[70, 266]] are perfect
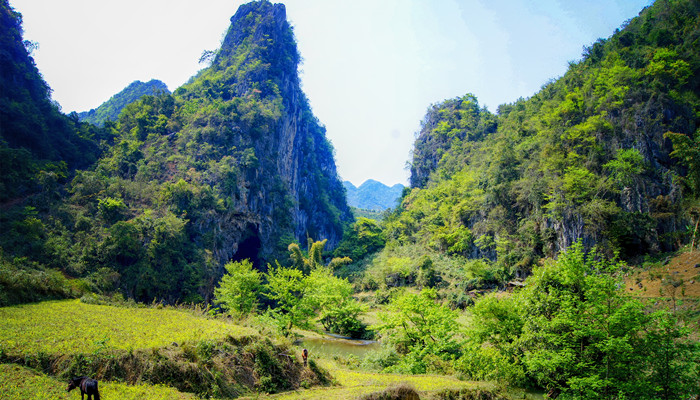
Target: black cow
[[87, 386]]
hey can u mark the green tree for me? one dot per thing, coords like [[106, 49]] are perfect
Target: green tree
[[673, 360], [314, 259], [332, 299], [287, 288], [421, 329], [494, 349], [625, 167], [364, 237], [111, 209], [239, 288], [573, 331]]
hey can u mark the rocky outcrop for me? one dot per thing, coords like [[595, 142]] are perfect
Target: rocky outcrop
[[589, 158], [290, 190]]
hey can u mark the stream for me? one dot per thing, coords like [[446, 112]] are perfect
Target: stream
[[334, 345]]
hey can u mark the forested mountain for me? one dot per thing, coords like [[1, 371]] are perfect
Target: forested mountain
[[37, 142], [606, 154], [110, 109], [232, 165], [506, 261], [373, 195]]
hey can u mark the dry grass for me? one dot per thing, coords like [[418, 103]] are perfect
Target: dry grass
[[679, 278]]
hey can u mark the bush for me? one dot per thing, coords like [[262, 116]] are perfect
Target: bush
[[23, 281], [402, 391]]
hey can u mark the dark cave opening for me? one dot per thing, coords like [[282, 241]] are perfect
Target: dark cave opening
[[249, 248]]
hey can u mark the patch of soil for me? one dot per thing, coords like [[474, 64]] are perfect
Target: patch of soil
[[677, 277]]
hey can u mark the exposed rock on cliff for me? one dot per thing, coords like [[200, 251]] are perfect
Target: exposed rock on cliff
[[232, 165], [290, 184], [587, 158]]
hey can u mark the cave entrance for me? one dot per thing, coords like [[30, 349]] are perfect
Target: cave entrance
[[249, 248]]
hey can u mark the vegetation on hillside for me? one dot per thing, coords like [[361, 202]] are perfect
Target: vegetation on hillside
[[605, 154], [572, 330], [110, 109], [505, 261], [600, 162], [38, 144], [186, 182]]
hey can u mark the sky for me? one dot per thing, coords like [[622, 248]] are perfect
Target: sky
[[371, 68]]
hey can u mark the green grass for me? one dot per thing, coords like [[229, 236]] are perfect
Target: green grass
[[70, 327], [19, 383], [352, 384]]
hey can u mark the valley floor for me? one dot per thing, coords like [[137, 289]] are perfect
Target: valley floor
[[36, 335]]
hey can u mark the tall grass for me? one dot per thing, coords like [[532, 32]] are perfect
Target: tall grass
[[71, 327]]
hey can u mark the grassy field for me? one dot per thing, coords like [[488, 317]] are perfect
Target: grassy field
[[69, 327], [352, 384], [19, 383]]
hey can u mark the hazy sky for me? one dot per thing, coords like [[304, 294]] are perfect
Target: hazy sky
[[371, 68]]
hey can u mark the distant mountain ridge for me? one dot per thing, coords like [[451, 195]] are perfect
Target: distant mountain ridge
[[373, 195], [110, 109]]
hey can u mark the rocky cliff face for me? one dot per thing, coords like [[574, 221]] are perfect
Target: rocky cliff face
[[289, 183], [232, 165]]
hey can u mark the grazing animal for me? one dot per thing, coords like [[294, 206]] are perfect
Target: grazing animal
[[304, 355], [87, 387]]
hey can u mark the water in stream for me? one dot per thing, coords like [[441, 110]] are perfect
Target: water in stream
[[338, 346]]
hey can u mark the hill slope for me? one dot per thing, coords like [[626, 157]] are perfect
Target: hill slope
[[34, 135], [232, 165], [588, 158], [110, 109]]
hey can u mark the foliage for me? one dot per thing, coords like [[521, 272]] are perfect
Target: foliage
[[110, 109], [687, 151], [287, 287], [448, 124], [363, 238], [309, 289], [422, 331], [239, 287], [580, 159], [184, 182], [332, 299], [296, 294], [573, 330], [22, 281]]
